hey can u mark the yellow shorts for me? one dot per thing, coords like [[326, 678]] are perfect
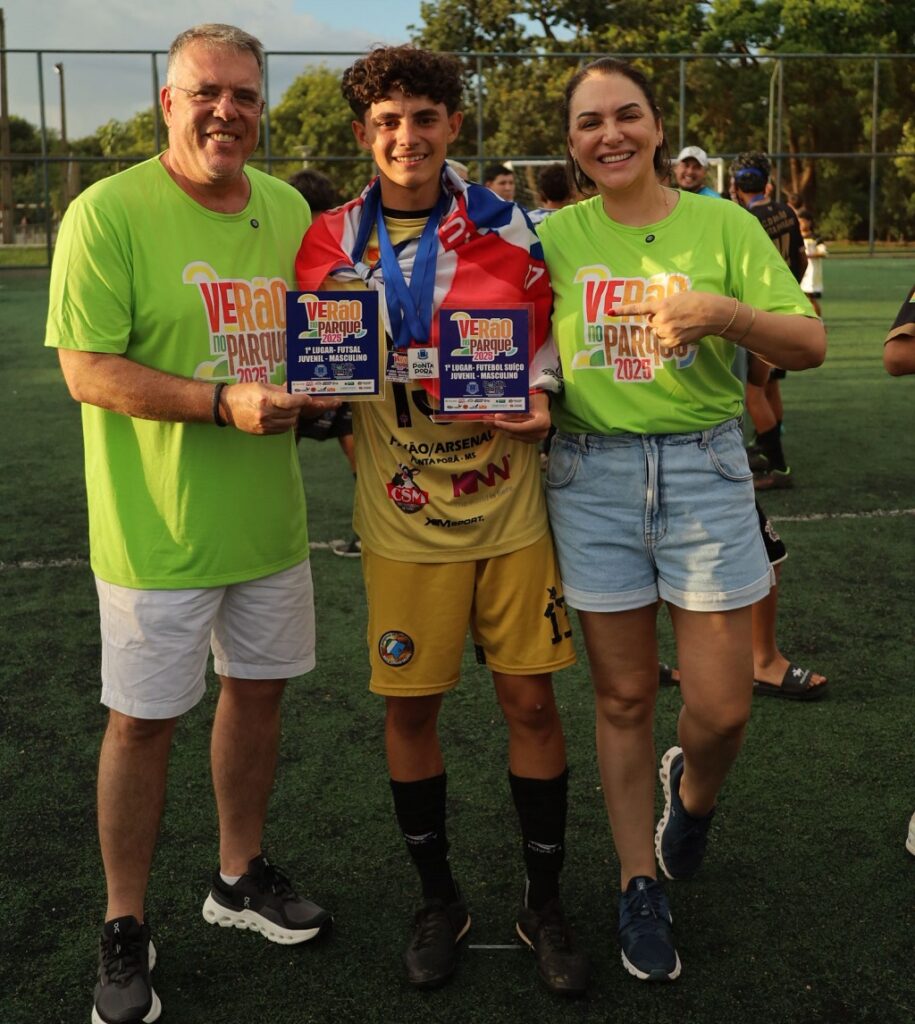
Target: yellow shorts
[[419, 614]]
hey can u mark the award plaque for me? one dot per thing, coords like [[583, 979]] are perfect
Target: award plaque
[[484, 360], [335, 344]]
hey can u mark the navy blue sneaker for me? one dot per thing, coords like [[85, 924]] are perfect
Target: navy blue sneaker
[[646, 936], [680, 839]]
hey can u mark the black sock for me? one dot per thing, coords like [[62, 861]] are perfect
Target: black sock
[[770, 444], [420, 810], [541, 806]]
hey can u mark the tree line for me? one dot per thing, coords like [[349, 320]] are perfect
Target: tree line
[[732, 93]]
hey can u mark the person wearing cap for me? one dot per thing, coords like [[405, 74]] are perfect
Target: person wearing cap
[[689, 172]]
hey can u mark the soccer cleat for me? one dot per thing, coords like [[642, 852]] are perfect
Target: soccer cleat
[[910, 842], [264, 900], [561, 966], [438, 927], [757, 458], [124, 992], [680, 838], [774, 480], [646, 936], [351, 550]]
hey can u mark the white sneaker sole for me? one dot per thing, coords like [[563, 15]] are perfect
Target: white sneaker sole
[[642, 976], [664, 773], [155, 1010], [910, 842], [214, 913]]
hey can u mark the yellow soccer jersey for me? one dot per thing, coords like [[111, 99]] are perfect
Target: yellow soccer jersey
[[439, 492]]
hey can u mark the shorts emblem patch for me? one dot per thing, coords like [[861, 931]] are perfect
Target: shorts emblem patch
[[396, 648]]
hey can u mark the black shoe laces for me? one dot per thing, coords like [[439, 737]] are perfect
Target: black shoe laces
[[122, 960], [275, 880]]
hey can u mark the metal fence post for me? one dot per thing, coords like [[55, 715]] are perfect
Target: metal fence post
[[480, 160], [781, 109], [155, 85], [267, 110], [682, 125], [872, 205], [45, 179]]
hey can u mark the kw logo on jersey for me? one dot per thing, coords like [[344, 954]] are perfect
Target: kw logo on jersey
[[246, 321], [484, 338], [469, 482], [330, 321], [625, 344]]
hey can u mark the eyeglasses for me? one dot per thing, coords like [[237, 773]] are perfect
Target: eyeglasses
[[246, 100]]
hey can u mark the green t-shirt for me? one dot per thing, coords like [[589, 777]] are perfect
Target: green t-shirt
[[142, 270], [617, 380]]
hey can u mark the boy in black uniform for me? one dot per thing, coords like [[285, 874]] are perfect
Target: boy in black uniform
[[750, 173]]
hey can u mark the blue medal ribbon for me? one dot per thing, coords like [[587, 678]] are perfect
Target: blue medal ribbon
[[409, 306]]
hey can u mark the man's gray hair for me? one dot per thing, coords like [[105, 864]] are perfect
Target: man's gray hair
[[217, 35]]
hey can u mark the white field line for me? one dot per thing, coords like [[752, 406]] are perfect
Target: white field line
[[78, 563], [817, 517], [813, 517]]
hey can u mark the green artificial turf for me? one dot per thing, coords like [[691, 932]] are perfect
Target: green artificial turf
[[802, 914]]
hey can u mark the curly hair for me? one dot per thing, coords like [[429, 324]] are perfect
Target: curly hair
[[413, 71]]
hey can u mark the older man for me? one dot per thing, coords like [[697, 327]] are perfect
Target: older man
[[168, 310]]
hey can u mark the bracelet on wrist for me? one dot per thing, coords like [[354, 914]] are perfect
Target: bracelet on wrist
[[217, 414], [749, 326], [724, 330]]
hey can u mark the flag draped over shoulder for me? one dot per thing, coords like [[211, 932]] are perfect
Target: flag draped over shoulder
[[488, 256]]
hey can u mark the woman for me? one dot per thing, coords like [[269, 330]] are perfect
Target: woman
[[649, 489]]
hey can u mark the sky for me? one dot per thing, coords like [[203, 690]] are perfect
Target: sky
[[98, 88]]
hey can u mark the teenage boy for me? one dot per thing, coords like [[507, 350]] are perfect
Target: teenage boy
[[447, 544], [750, 173]]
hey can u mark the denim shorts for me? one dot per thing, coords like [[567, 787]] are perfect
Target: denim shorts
[[641, 516]]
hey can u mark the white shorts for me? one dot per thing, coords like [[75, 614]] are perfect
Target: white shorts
[[155, 643]]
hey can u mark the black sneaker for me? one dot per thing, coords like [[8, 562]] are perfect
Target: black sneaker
[[646, 936], [774, 480], [351, 550], [680, 838], [124, 992], [264, 900], [757, 458], [561, 966], [438, 927]]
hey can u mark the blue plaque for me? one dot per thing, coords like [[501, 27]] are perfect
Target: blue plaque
[[484, 360], [334, 344]]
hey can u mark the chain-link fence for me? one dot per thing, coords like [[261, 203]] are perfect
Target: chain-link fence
[[840, 128]]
